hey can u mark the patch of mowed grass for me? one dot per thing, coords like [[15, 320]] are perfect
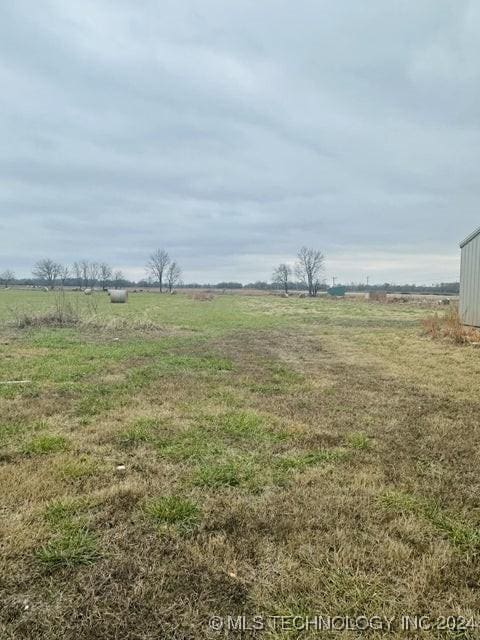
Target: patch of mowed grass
[[11, 391], [196, 363], [45, 444], [94, 399], [302, 460], [196, 444], [285, 376], [8, 432], [354, 584], [173, 510], [75, 469], [98, 399], [234, 473], [141, 431], [281, 381], [71, 547], [176, 364], [358, 440], [267, 388], [14, 436], [246, 425], [71, 543], [62, 512], [456, 531]]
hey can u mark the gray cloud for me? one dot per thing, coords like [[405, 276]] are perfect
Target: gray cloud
[[233, 133]]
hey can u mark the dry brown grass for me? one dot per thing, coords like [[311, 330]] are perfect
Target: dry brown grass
[[449, 326], [377, 296], [62, 314], [202, 296]]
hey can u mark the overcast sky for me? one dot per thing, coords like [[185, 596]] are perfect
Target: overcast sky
[[232, 133]]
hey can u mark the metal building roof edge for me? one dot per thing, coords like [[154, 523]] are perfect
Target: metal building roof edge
[[473, 235]]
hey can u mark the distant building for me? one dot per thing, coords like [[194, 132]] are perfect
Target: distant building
[[470, 280]]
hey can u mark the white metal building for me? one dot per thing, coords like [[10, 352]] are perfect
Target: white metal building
[[470, 279]]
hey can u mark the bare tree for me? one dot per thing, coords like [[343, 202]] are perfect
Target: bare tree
[[47, 270], [105, 274], [281, 275], [6, 277], [93, 273], [309, 266], [157, 264], [118, 277], [63, 274], [85, 270], [174, 275], [77, 270]]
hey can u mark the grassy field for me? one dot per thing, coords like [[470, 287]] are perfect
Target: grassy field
[[281, 457]]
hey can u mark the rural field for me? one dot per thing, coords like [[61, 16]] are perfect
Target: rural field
[[174, 459]]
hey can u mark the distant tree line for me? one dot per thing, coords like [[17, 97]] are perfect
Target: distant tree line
[[305, 274], [82, 274]]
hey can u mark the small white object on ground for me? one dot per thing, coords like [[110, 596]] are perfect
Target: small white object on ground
[[14, 381], [121, 467]]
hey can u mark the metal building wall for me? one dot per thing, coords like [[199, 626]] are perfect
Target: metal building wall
[[470, 281]]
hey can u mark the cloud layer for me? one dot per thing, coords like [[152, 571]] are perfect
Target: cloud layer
[[233, 133]]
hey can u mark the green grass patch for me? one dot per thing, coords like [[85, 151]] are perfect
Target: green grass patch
[[141, 431], [196, 363], [456, 531], [72, 547], [226, 474], [173, 510], [173, 364], [9, 392], [246, 425], [45, 444], [267, 389], [194, 444], [60, 513], [301, 461], [75, 469], [281, 381], [12, 431], [98, 399], [358, 440], [284, 376]]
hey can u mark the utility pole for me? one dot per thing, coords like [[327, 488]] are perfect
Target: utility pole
[[333, 280]]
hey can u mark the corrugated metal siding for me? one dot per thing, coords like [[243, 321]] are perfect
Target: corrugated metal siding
[[470, 283]]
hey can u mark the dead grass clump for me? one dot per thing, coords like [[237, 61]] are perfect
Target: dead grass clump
[[203, 296], [63, 314], [377, 296], [449, 326], [119, 323]]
